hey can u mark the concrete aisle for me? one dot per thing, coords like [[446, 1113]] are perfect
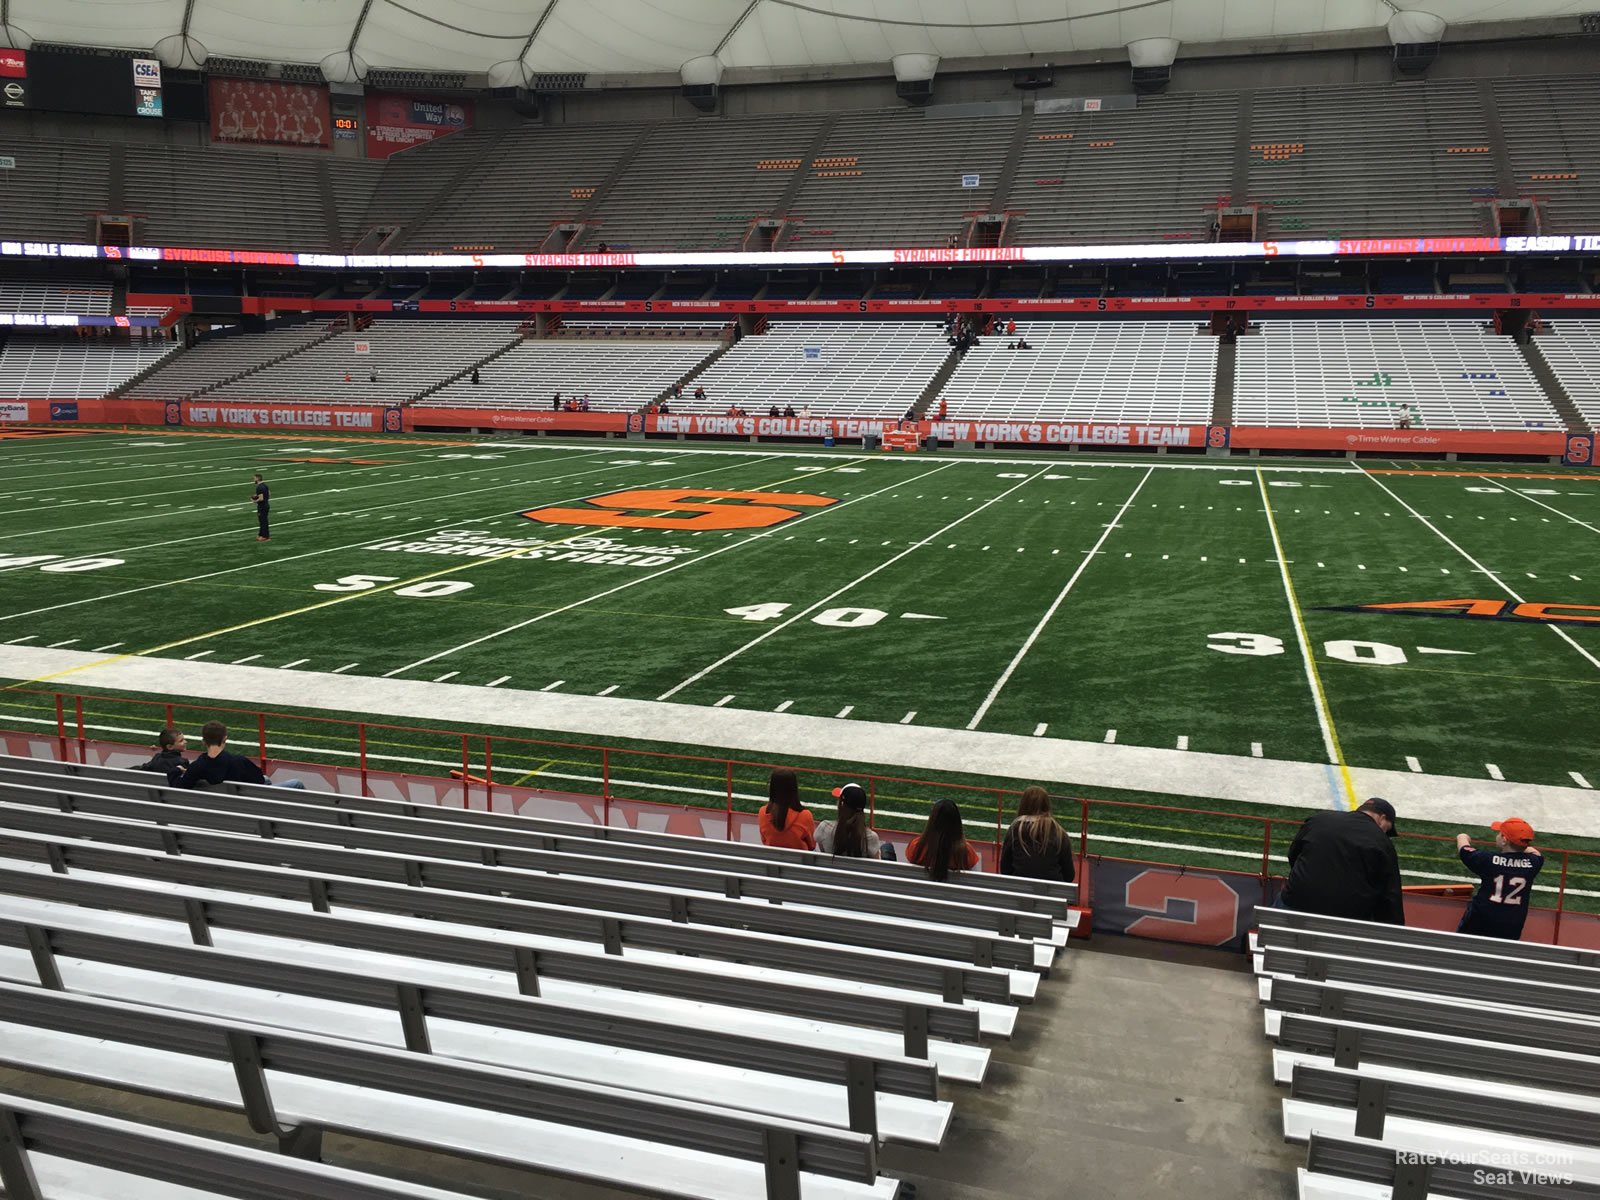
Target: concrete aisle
[[1143, 1073]]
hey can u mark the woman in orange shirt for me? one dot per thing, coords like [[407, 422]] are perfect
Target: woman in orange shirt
[[942, 846], [783, 821]]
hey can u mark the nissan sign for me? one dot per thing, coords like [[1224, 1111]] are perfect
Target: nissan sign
[[16, 94]]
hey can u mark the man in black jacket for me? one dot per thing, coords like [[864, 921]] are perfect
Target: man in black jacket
[[220, 765], [1343, 864], [169, 756]]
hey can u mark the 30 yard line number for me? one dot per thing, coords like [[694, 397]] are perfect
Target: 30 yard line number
[[1261, 645]]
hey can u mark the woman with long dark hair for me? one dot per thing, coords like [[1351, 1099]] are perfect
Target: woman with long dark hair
[[942, 845], [784, 820], [849, 835], [1036, 847]]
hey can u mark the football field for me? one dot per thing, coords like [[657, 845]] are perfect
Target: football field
[[1268, 622]]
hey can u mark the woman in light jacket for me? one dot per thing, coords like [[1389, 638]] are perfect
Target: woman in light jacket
[[849, 835]]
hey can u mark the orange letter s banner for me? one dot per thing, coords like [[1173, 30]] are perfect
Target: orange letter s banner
[[691, 508], [1216, 908]]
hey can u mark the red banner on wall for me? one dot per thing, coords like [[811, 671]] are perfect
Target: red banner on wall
[[1402, 441], [13, 64], [260, 110], [396, 123], [294, 417]]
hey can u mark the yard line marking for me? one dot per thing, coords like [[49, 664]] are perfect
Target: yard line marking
[[339, 670], [1038, 730], [1552, 508], [1111, 737], [1255, 750], [846, 710], [1494, 772], [550, 687], [1579, 780], [677, 566], [497, 682], [1483, 570], [1330, 735], [1413, 765], [447, 675], [297, 662], [68, 642], [239, 662], [602, 692], [909, 717], [1055, 604], [724, 700], [784, 707], [1183, 741]]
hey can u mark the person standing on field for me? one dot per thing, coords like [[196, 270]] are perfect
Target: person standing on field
[[263, 497]]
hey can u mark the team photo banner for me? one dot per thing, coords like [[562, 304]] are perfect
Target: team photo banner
[[304, 124]]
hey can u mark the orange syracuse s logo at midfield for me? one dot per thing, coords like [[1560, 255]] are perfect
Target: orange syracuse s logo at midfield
[[1495, 610], [683, 508]]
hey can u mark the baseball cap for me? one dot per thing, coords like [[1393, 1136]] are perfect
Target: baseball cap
[[851, 795], [1383, 808], [1515, 830]]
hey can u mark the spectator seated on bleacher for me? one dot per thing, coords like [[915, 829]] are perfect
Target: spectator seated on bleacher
[[168, 760], [1035, 845], [942, 847], [848, 835], [1343, 864], [219, 765], [784, 820]]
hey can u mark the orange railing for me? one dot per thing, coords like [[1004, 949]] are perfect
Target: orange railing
[[73, 735]]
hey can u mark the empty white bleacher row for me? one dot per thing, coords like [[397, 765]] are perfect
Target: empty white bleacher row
[[1432, 1063], [617, 375], [845, 368], [406, 356], [85, 297], [212, 360], [70, 369], [1139, 372], [1449, 374], [1572, 348], [733, 1024]]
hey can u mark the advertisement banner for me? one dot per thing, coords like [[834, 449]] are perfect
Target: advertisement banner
[[245, 415], [1402, 441], [1202, 908], [13, 78], [1580, 450], [14, 410], [396, 123], [260, 110], [63, 410], [147, 102], [500, 418]]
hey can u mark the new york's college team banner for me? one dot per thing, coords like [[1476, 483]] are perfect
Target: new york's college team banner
[[271, 113], [290, 417]]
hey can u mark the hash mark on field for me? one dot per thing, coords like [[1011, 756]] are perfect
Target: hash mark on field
[[1322, 564], [339, 670], [724, 700], [784, 707], [1574, 577], [497, 682], [550, 687], [199, 654], [1406, 569], [607, 691], [1183, 741], [1111, 737], [847, 710], [1580, 780], [1038, 730], [291, 665], [1255, 749], [1494, 772], [909, 717], [112, 646], [239, 662], [1413, 765], [447, 675], [68, 642]]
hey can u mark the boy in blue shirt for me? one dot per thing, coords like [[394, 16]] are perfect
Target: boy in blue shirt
[[1507, 872]]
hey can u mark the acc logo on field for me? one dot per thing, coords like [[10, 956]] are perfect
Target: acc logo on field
[[683, 508], [1546, 612]]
